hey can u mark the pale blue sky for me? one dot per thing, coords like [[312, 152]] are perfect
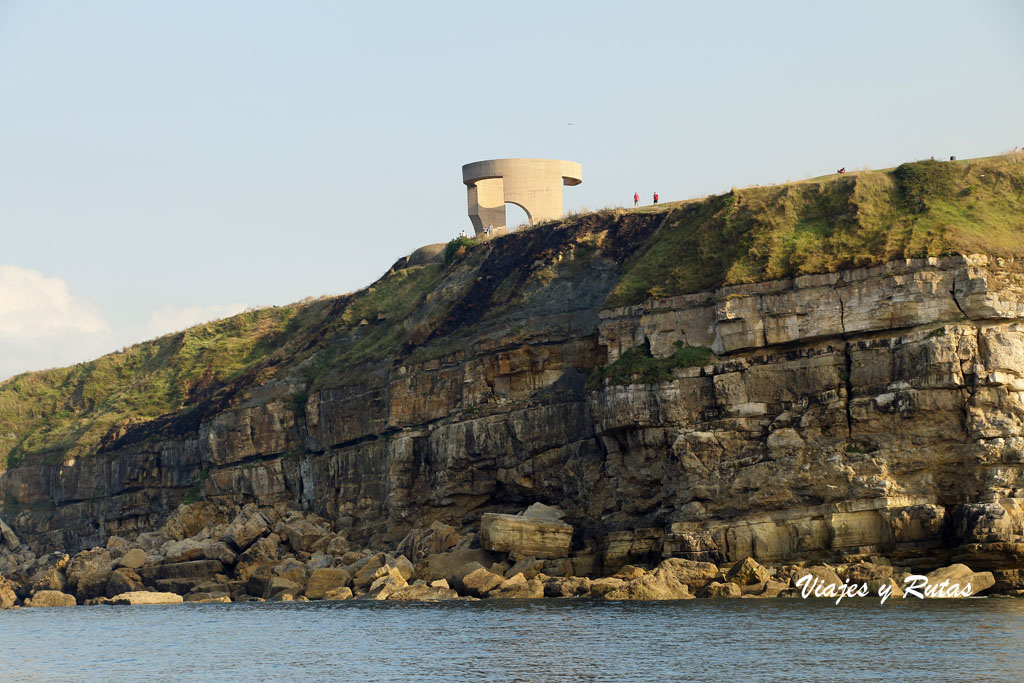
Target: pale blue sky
[[166, 161]]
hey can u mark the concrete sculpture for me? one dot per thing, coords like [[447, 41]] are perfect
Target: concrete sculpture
[[535, 185]]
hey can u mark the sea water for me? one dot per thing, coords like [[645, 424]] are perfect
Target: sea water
[[544, 640]]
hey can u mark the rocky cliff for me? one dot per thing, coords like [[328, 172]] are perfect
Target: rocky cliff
[[851, 411]]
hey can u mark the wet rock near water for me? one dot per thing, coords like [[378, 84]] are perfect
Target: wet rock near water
[[48, 598]]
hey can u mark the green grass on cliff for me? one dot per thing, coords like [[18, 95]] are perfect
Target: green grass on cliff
[[638, 366], [400, 297], [924, 208], [66, 412]]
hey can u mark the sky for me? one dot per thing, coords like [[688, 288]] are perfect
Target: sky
[[166, 163]]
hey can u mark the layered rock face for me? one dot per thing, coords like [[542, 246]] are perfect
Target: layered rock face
[[868, 412]]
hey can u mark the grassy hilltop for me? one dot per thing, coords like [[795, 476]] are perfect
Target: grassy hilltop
[[917, 209], [926, 208]]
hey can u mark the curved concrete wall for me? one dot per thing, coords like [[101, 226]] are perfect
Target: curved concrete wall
[[533, 184]]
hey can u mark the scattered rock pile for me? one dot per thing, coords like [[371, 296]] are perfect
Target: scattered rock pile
[[203, 554]]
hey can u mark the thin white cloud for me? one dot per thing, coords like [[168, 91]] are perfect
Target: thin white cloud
[[43, 326], [170, 319], [34, 306]]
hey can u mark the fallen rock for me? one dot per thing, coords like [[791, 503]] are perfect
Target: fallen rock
[[523, 536], [299, 533], [7, 594], [88, 573], [695, 575], [421, 543], [135, 558], [218, 586], [404, 567], [384, 586], [959, 574], [874, 585], [454, 565], [544, 512], [8, 537], [47, 598], [516, 580], [562, 567], [824, 574], [98, 601], [149, 541], [352, 559], [518, 588], [185, 550], [864, 572], [424, 593], [343, 593], [265, 549], [659, 584], [771, 589], [279, 586], [528, 567], [181, 586], [322, 581], [364, 569], [629, 572], [319, 561], [747, 572], [478, 582], [716, 589], [293, 570], [146, 598], [220, 551], [124, 580], [567, 587], [248, 525], [189, 519], [367, 573], [182, 570], [47, 573], [601, 587]]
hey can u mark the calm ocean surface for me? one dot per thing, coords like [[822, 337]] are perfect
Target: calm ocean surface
[[906, 640]]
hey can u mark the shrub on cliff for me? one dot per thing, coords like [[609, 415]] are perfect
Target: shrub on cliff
[[456, 248], [638, 366]]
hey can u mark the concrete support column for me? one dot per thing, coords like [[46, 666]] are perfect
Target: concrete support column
[[487, 204]]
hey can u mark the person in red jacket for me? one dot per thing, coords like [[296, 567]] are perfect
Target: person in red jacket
[[636, 198], [655, 197]]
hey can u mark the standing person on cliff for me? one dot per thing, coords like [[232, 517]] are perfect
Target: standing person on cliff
[[655, 197], [636, 199]]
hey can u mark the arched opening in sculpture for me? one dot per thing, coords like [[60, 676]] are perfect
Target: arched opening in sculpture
[[516, 216]]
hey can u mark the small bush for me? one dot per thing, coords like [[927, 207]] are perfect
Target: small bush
[[457, 248], [638, 366]]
